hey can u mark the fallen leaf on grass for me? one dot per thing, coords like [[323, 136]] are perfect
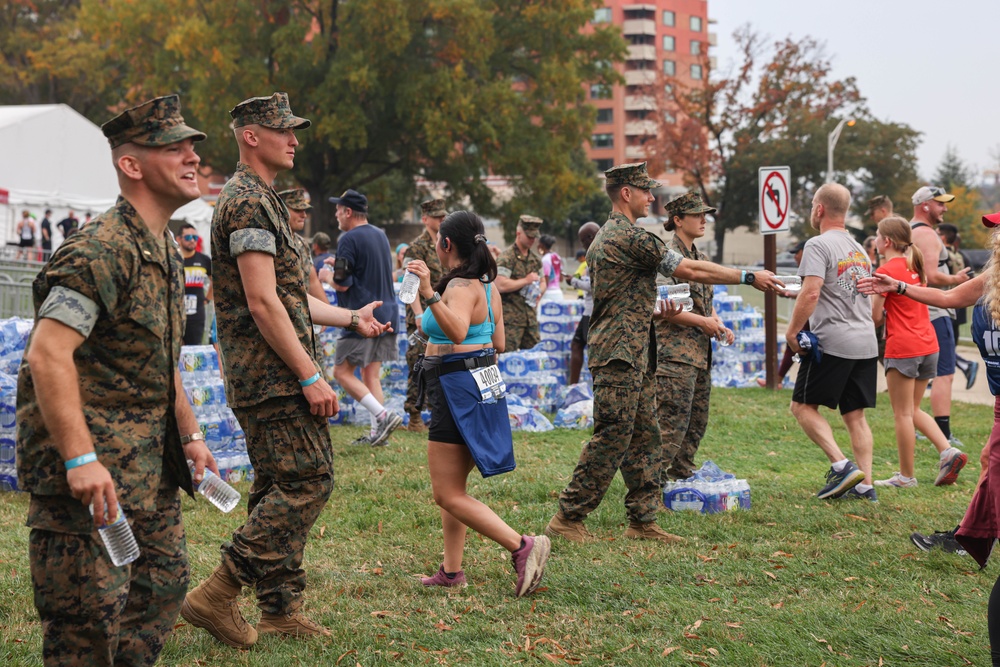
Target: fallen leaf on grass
[[627, 648], [850, 578], [322, 531], [380, 614], [734, 625], [860, 605], [669, 650], [713, 651], [442, 626], [771, 574], [344, 655], [776, 554], [691, 635], [552, 657], [855, 516]]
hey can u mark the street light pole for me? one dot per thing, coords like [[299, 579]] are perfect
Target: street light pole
[[831, 141]]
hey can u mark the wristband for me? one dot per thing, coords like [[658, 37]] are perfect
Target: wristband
[[82, 460], [308, 381], [419, 317], [743, 277]]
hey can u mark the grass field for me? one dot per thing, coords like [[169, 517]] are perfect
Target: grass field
[[793, 582]]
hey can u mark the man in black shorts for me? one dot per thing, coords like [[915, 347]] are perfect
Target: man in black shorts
[[586, 234], [841, 319]]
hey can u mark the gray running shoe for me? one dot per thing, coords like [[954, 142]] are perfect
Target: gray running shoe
[[384, 427]]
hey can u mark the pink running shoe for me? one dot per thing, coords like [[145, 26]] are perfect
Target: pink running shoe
[[529, 563], [441, 579]]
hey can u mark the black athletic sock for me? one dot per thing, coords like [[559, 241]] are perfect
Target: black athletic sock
[[993, 623], [944, 423]]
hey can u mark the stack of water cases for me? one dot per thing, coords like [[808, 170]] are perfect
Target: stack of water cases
[[199, 367], [14, 334], [740, 364]]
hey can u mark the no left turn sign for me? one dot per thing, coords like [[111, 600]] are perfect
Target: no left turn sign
[[774, 199]]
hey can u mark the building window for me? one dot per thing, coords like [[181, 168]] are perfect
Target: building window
[[696, 72], [603, 164], [669, 67], [695, 24], [602, 140], [695, 47], [602, 15], [669, 43], [605, 115], [668, 18], [599, 91], [668, 88], [669, 118]]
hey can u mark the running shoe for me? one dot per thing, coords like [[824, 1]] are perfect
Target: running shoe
[[952, 462], [837, 483], [897, 480]]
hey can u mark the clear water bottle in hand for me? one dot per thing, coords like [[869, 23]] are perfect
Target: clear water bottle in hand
[[218, 492], [723, 337], [118, 538], [793, 284], [408, 289]]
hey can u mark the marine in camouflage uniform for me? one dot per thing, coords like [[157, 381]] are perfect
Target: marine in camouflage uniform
[[623, 262], [120, 287], [684, 360], [432, 212], [289, 448], [515, 264], [298, 208]]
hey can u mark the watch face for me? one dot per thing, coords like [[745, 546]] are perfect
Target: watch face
[[750, 278]]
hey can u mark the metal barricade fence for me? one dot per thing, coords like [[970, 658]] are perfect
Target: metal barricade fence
[[15, 298]]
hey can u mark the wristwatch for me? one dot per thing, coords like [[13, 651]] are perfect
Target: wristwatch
[[355, 320], [434, 298], [185, 439], [749, 278]]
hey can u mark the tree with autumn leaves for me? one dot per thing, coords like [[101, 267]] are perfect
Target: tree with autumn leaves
[[776, 108], [401, 92]]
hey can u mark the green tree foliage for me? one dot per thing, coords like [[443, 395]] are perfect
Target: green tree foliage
[[449, 92], [953, 172], [776, 108]]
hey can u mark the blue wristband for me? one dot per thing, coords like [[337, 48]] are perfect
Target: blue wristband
[[89, 457], [743, 277], [308, 381], [419, 317]]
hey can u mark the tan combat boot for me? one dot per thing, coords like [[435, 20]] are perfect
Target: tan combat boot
[[650, 531], [290, 625], [212, 607], [416, 424], [574, 531]]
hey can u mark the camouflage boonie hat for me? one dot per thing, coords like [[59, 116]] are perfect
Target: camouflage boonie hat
[[155, 122], [633, 174], [689, 203], [530, 225], [295, 199], [273, 112], [433, 208]]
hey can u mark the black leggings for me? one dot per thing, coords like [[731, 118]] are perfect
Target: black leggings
[[993, 622]]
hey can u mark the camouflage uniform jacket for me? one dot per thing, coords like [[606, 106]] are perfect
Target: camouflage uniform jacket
[[422, 248], [623, 262], [513, 265], [679, 343], [123, 289], [250, 216]]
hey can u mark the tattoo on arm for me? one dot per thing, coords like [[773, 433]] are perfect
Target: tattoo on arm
[[459, 282]]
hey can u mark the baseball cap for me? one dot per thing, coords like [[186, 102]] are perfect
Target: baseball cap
[[929, 192], [353, 200], [992, 220]]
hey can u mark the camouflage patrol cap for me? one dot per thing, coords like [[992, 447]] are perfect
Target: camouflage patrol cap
[[296, 199], [530, 225], [155, 122], [633, 174], [689, 203], [433, 208], [273, 112]]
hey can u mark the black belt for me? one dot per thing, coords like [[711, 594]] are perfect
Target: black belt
[[468, 364]]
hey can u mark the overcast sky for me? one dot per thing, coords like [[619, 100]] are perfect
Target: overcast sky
[[930, 65]]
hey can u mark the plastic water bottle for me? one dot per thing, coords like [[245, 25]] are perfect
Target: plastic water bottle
[[408, 290], [723, 338], [118, 539], [216, 490], [792, 283], [686, 303]]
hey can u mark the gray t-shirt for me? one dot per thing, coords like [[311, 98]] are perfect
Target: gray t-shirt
[[843, 317], [942, 266]]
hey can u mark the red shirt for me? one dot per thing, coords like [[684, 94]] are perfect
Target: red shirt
[[908, 330]]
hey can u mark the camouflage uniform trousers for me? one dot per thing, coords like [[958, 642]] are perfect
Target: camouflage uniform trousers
[[412, 353], [626, 437], [94, 613], [520, 332], [293, 465], [682, 395]]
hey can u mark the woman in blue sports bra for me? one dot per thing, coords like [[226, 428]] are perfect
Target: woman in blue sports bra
[[463, 320]]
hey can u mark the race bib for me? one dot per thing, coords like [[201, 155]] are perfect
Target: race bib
[[191, 304], [490, 383]]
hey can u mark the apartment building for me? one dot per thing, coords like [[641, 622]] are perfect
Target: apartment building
[[664, 37]]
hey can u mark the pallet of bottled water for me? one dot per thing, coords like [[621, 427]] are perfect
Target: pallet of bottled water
[[8, 432], [709, 491], [199, 368]]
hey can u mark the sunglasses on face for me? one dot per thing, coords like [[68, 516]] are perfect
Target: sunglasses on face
[[190, 237]]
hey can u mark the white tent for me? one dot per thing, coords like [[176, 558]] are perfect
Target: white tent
[[55, 158]]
